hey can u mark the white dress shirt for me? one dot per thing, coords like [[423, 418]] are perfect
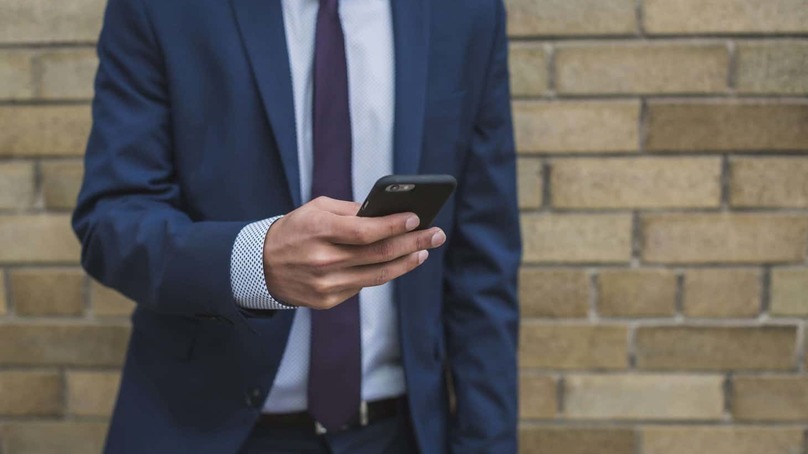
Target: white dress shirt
[[367, 26]]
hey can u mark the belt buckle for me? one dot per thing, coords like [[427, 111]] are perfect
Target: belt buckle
[[363, 419], [363, 413]]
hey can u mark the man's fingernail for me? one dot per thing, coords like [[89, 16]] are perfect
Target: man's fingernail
[[438, 238], [422, 255], [412, 223]]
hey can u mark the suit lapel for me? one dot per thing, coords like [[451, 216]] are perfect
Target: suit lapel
[[261, 25], [411, 42]]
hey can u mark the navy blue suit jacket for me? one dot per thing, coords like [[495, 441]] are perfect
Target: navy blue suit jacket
[[193, 138]]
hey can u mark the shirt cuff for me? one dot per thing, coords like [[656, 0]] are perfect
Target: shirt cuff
[[247, 268]]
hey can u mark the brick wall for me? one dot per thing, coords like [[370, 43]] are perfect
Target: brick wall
[[663, 176]]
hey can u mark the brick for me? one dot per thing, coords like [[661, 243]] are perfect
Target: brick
[[773, 67], [43, 21], [17, 190], [641, 68], [554, 293], [64, 437], [747, 125], [530, 176], [37, 239], [770, 398], [48, 291], [721, 440], [107, 302], [769, 182], [725, 16], [59, 344], [651, 397], [61, 182], [789, 292], [724, 238], [3, 302], [44, 130], [576, 440], [16, 75], [528, 69], [716, 348], [570, 17], [573, 346], [575, 238], [722, 293], [576, 126], [67, 74], [637, 293], [92, 393], [636, 183], [537, 396], [30, 393]]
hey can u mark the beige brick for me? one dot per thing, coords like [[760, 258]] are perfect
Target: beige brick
[[91, 393], [576, 126], [64, 437], [730, 238], [726, 16], [30, 393], [42, 21], [573, 238], [637, 293], [570, 17], [554, 293], [58, 344], [37, 239], [109, 303], [573, 346], [773, 67], [716, 348], [44, 130], [48, 291], [68, 74], [16, 74], [636, 183], [716, 293], [576, 440], [756, 125], [769, 182], [770, 398], [789, 292], [3, 302], [528, 69], [17, 188], [641, 68], [721, 440], [636, 397], [537, 396], [530, 175], [61, 181]]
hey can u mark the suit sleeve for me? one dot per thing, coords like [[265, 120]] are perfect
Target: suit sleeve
[[134, 233], [481, 310]]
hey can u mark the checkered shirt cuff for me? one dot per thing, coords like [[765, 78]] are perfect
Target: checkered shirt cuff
[[247, 268]]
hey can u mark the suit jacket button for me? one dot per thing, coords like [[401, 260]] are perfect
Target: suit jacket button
[[253, 398]]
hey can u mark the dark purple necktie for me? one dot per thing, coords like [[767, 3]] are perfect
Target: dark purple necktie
[[335, 370]]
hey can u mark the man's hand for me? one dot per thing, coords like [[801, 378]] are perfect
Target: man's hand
[[321, 254]]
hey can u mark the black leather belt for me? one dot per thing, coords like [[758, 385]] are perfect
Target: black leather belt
[[368, 413]]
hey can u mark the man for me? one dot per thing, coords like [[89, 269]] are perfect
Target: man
[[317, 331]]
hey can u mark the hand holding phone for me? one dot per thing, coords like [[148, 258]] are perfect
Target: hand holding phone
[[322, 253]]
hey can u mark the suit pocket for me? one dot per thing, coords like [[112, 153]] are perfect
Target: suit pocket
[[166, 335]]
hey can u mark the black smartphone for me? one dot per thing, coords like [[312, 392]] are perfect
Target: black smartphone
[[423, 195]]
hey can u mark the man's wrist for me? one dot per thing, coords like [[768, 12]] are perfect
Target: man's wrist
[[247, 276]]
